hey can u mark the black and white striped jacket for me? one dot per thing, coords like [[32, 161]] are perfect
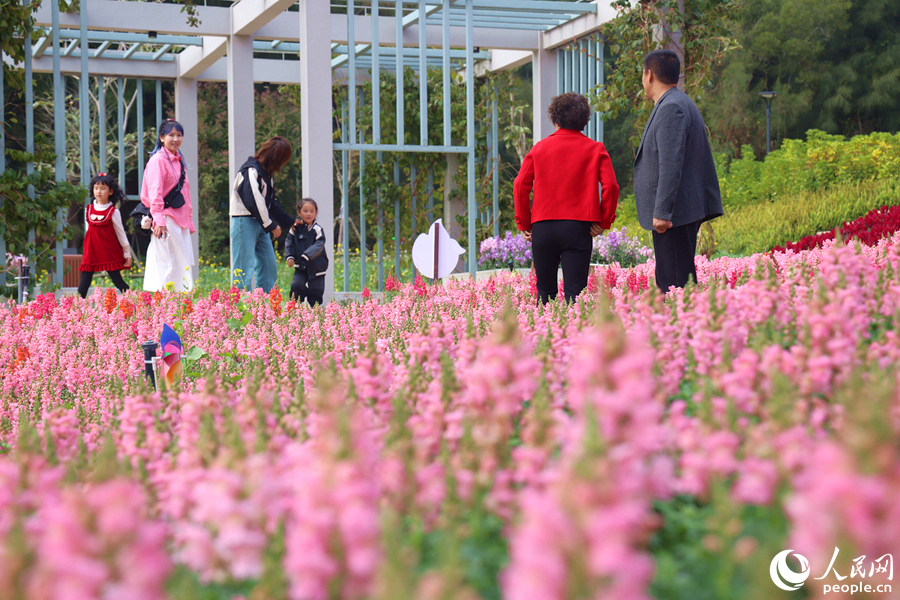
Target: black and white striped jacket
[[306, 245]]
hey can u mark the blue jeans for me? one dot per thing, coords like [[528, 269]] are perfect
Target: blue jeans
[[252, 252]]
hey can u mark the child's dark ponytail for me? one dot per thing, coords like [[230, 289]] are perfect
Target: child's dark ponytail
[[116, 195]]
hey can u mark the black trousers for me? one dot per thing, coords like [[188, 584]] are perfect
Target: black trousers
[[87, 276], [304, 287], [566, 242], [674, 252]]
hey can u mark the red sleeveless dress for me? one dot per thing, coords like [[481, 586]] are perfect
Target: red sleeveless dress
[[102, 251]]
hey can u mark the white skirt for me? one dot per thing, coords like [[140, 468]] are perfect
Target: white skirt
[[170, 259]]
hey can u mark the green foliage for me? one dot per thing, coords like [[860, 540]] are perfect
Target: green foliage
[[276, 113], [31, 202], [820, 162], [473, 545], [184, 585], [800, 189], [699, 29], [715, 549], [834, 64], [16, 23], [378, 182], [759, 227]]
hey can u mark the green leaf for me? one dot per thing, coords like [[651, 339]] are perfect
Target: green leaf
[[195, 353]]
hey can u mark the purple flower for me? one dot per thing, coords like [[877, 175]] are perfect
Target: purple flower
[[500, 252]]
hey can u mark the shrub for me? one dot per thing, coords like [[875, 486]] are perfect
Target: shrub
[[616, 246], [818, 163], [869, 230], [504, 251], [760, 227]]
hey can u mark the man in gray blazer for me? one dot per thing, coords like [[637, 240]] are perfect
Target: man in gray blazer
[[675, 183]]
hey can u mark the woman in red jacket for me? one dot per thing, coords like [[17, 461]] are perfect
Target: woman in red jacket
[[566, 211]]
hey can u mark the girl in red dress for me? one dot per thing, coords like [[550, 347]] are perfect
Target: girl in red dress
[[106, 247]]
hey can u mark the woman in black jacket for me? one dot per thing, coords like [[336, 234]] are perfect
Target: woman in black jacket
[[255, 213], [305, 252]]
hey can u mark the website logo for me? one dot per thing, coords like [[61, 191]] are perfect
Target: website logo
[[782, 574], [873, 570]]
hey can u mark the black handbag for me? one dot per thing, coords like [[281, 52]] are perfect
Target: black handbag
[[174, 198], [137, 215]]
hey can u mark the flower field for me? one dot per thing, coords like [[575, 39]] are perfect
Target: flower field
[[460, 442]]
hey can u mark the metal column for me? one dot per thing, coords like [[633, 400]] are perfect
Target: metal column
[[345, 205], [121, 124], [470, 134], [139, 90], [29, 133], [101, 124], [397, 221], [84, 108], [495, 166], [59, 139], [423, 78], [2, 159]]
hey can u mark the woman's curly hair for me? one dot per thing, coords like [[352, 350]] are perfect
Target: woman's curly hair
[[569, 111]]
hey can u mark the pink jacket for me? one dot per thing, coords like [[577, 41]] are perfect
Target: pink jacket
[[161, 175]]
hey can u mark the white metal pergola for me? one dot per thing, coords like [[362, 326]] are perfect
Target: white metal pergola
[[312, 44]]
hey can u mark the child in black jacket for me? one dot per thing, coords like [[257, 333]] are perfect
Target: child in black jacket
[[305, 252]]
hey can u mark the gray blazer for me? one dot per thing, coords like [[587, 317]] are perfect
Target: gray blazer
[[674, 173]]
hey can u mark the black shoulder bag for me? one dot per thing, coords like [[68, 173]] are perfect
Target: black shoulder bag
[[174, 199]]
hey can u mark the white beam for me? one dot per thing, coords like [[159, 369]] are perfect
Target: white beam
[[277, 72], [113, 15], [315, 121], [484, 38], [502, 60], [110, 67], [581, 26], [130, 51], [241, 125], [186, 114], [274, 71], [68, 50], [543, 89], [41, 45], [195, 60], [158, 54], [99, 51], [247, 16], [413, 17], [118, 15]]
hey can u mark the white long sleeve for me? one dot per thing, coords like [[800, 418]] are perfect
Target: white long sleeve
[[120, 233]]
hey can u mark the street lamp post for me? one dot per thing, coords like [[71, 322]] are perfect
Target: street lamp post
[[767, 96]]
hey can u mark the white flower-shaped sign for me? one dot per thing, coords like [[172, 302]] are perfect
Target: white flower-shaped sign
[[436, 250]]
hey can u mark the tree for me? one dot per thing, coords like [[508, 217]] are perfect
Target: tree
[[275, 114], [29, 202], [834, 63], [699, 30]]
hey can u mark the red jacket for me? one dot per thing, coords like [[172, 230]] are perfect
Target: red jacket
[[564, 170]]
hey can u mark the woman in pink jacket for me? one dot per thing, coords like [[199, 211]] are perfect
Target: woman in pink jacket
[[167, 193]]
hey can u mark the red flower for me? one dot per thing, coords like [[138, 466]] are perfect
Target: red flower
[[126, 307], [109, 300], [275, 300]]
